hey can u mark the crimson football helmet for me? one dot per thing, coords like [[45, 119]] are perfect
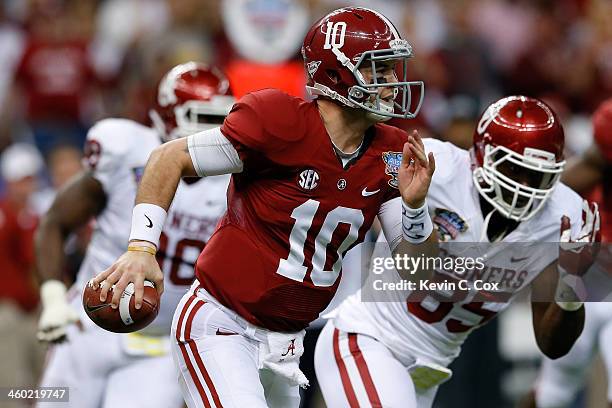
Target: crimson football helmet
[[518, 155], [602, 129], [341, 43], [191, 97]]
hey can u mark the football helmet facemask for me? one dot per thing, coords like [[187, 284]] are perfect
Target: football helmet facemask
[[518, 156], [347, 40], [191, 97]]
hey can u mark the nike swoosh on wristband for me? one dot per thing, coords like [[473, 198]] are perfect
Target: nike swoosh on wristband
[[150, 225], [367, 193]]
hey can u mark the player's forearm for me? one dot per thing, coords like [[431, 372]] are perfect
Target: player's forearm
[[167, 164], [49, 243], [427, 249], [556, 330], [73, 207]]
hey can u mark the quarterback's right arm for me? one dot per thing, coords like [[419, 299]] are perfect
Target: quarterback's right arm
[[203, 154], [211, 152]]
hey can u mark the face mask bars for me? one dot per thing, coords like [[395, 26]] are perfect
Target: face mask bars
[[403, 52]]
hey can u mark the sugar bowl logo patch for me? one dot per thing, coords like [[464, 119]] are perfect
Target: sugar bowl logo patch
[[392, 162], [448, 224]]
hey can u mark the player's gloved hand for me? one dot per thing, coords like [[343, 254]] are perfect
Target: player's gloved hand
[[56, 314], [576, 256], [135, 265], [415, 172]]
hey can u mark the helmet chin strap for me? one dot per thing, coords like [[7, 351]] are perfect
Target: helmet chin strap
[[383, 106], [485, 226]]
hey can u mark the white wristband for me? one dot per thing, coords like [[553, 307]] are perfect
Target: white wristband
[[416, 223], [147, 222]]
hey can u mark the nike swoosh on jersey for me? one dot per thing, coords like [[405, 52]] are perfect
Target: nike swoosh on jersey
[[513, 259], [367, 193], [150, 225]]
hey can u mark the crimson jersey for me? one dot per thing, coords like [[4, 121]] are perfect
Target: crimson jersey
[[294, 211]]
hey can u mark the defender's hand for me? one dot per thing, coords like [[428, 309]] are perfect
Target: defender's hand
[[415, 172], [56, 314], [133, 267], [576, 256]]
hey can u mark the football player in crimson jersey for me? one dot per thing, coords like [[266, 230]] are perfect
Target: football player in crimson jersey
[[392, 348], [103, 368], [308, 180], [560, 380]]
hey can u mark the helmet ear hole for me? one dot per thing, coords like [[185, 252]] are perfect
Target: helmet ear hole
[[333, 75]]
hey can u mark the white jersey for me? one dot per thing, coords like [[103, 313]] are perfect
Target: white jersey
[[117, 151], [431, 330]]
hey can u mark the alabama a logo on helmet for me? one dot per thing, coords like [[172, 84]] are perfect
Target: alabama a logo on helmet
[[392, 162]]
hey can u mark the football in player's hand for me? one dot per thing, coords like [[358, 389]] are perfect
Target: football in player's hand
[[126, 318]]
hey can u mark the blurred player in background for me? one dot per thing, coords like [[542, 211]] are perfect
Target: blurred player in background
[[102, 368], [309, 179], [560, 380], [393, 350], [21, 355]]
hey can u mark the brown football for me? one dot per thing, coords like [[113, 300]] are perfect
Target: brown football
[[126, 318]]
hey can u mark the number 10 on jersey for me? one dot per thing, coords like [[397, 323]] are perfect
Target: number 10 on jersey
[[293, 266]]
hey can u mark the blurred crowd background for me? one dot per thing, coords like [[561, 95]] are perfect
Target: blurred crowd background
[[66, 63]]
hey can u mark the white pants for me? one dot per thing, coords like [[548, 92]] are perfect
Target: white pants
[[99, 371], [217, 355], [357, 371], [560, 380]]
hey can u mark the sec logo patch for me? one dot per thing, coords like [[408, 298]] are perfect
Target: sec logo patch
[[308, 179]]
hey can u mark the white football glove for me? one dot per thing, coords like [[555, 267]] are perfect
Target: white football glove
[[56, 314], [576, 256]]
